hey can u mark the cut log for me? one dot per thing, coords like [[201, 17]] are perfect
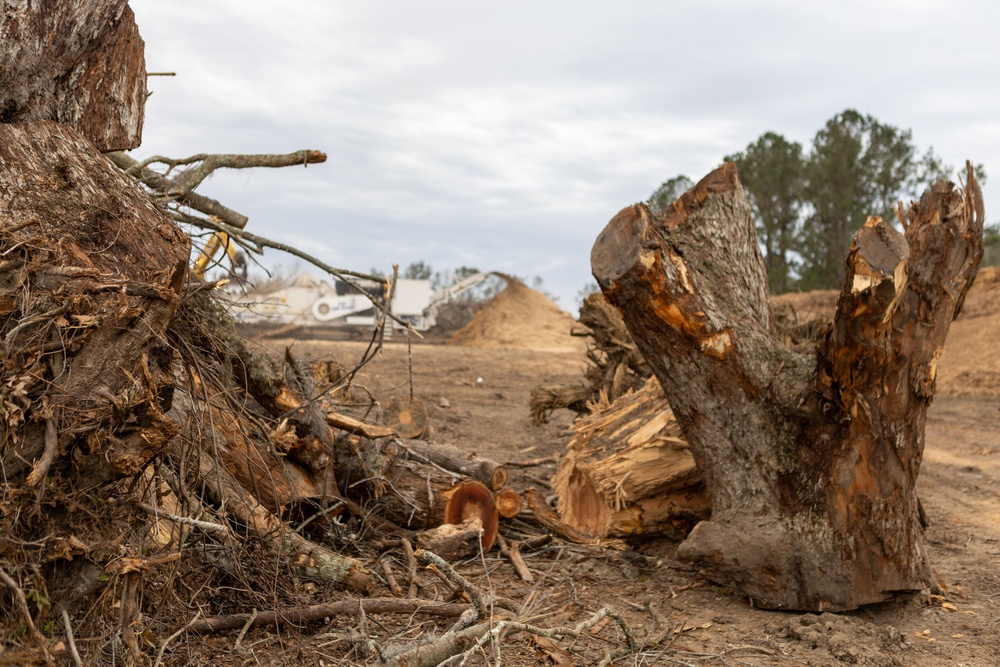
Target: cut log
[[628, 471], [406, 491], [407, 417], [810, 460], [508, 502], [490, 473], [78, 63], [471, 500]]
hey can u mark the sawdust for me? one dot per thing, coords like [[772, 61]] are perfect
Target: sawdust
[[520, 318]]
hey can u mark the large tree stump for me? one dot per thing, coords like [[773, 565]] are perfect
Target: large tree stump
[[91, 266], [78, 63], [810, 460]]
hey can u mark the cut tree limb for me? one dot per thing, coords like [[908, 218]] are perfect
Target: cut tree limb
[[810, 462], [181, 187], [320, 611]]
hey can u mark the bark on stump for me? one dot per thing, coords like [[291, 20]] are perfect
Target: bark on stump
[[810, 460], [78, 63]]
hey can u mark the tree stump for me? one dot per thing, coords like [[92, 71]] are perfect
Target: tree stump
[[810, 460], [78, 63]]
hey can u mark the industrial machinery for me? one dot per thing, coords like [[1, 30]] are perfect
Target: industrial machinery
[[309, 301], [215, 242]]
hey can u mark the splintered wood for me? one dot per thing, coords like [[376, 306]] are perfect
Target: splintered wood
[[628, 471]]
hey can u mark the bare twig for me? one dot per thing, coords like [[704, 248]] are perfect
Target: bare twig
[[181, 187], [320, 611], [320, 514], [507, 627], [246, 626], [431, 558], [188, 521], [70, 641], [41, 467], [390, 578], [411, 566], [519, 565], [26, 613], [166, 642]]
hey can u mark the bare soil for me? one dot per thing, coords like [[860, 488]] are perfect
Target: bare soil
[[478, 399]]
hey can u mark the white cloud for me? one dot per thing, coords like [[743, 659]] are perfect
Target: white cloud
[[506, 135]]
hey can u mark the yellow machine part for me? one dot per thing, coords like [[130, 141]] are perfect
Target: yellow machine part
[[217, 241]]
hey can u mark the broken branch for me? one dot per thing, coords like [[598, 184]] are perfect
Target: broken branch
[[320, 611]]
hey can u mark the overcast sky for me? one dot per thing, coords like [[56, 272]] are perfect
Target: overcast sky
[[506, 135]]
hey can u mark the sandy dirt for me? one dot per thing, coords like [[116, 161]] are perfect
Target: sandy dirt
[[959, 488], [477, 398]]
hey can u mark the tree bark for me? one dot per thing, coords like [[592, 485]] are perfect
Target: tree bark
[[810, 460], [90, 266], [78, 63]]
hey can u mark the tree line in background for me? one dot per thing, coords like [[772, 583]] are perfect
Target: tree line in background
[[807, 206]]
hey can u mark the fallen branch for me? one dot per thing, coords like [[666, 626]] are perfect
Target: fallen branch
[[181, 186], [184, 520], [507, 627], [490, 473], [42, 465], [352, 425], [431, 558], [70, 641], [320, 611], [513, 554]]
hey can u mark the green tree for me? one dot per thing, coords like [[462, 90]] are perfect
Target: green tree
[[419, 270], [668, 192], [991, 245], [858, 167], [771, 169]]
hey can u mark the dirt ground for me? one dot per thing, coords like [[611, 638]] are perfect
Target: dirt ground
[[478, 399]]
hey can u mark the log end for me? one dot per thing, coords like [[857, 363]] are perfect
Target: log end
[[508, 502], [471, 499], [621, 244]]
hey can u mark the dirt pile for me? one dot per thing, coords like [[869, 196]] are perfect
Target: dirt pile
[[523, 318], [969, 365]]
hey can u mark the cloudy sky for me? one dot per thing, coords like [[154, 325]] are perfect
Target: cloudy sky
[[505, 135]]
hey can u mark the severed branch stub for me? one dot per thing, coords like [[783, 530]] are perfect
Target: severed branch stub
[[810, 461]]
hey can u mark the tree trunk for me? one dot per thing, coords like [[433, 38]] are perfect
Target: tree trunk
[[90, 266], [810, 461], [78, 63]]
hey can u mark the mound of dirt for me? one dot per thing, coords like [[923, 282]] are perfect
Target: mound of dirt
[[522, 318], [968, 366]]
